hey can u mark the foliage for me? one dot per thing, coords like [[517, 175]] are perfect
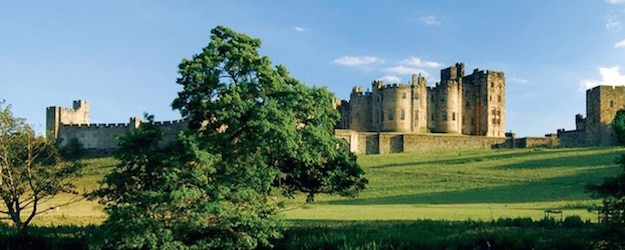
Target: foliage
[[612, 209], [245, 109], [251, 128], [31, 170], [73, 149], [618, 125], [175, 196]]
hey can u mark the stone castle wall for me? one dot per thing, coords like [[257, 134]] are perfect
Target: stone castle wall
[[394, 142], [67, 123]]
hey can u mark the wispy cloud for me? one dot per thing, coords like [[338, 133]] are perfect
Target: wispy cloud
[[404, 70], [519, 80], [390, 79], [430, 20], [620, 44], [418, 62], [413, 65], [613, 23], [615, 1], [609, 76], [357, 61], [300, 29]]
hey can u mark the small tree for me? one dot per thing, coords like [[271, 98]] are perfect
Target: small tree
[[618, 125], [31, 170]]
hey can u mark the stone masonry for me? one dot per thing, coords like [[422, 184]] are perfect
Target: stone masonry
[[458, 104]]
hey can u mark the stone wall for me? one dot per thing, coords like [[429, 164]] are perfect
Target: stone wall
[[393, 142], [103, 137]]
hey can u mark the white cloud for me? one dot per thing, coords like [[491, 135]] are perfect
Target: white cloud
[[613, 23], [519, 80], [390, 79], [615, 1], [404, 70], [430, 20], [417, 62], [620, 44], [609, 76], [355, 61], [300, 29]]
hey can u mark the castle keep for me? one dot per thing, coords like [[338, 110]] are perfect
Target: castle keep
[[471, 105], [602, 103]]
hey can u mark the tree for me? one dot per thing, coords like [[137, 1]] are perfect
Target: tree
[[252, 129], [245, 108], [612, 209], [618, 125], [31, 170]]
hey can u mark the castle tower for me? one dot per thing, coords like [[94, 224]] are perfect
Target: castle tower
[[419, 107], [447, 96], [397, 107], [360, 110], [602, 103], [56, 116]]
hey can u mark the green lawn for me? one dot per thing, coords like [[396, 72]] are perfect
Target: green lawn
[[478, 185]]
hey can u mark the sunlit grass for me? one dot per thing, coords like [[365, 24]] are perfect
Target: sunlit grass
[[473, 184], [478, 185]]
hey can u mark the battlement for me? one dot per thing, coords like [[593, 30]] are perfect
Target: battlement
[[121, 125], [397, 86]]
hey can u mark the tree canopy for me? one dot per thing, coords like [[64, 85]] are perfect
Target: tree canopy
[[252, 129]]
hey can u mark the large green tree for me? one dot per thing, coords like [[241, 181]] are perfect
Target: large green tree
[[31, 171], [252, 129]]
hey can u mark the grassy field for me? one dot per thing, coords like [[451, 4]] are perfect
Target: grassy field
[[478, 185]]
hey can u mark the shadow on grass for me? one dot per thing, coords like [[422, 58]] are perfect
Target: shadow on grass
[[607, 158], [569, 188], [490, 157]]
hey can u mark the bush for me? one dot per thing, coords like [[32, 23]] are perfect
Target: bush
[[573, 221]]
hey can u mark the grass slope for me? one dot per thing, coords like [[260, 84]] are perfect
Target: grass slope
[[479, 185]]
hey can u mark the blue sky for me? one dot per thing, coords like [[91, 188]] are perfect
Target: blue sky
[[122, 56]]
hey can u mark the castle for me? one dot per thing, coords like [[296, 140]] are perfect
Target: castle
[[458, 113], [470, 105], [602, 103]]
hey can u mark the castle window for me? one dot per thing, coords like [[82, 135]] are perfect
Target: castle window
[[442, 98], [444, 116], [416, 115], [490, 97], [466, 104], [391, 115], [403, 95], [499, 98], [611, 104], [402, 114], [453, 116], [492, 84]]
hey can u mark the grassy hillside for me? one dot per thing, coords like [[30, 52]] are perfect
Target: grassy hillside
[[477, 184], [480, 185]]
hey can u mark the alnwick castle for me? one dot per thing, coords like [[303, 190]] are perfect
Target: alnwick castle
[[460, 112]]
